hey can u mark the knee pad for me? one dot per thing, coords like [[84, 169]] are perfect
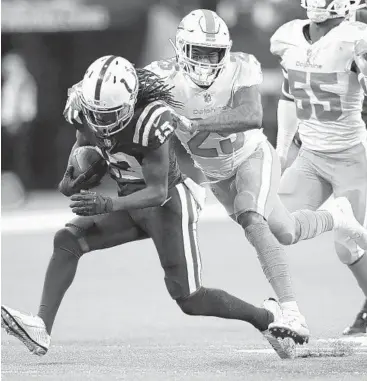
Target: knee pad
[[191, 305], [348, 253], [65, 240]]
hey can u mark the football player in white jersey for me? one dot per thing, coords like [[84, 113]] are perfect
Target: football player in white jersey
[[324, 65], [359, 325], [220, 126]]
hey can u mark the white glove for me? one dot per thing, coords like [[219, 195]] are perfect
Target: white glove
[[73, 106]]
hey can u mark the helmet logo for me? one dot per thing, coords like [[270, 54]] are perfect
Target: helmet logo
[[210, 37], [122, 80]]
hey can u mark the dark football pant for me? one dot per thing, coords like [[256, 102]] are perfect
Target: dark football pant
[[172, 228]]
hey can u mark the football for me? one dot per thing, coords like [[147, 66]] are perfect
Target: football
[[88, 160]]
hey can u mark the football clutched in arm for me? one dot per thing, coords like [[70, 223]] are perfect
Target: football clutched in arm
[[86, 168]]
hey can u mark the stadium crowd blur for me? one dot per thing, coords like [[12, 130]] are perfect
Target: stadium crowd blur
[[47, 44]]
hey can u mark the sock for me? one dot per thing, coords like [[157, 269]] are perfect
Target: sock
[[310, 224], [59, 276], [272, 258], [218, 303], [359, 270], [291, 306]]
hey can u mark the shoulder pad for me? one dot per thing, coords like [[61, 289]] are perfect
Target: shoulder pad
[[352, 31], [163, 68], [154, 125], [248, 71], [286, 36]]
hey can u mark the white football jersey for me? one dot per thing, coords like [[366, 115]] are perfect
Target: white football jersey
[[217, 155], [326, 91]]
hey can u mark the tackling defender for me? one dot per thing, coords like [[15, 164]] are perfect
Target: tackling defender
[[126, 115], [219, 126], [324, 66]]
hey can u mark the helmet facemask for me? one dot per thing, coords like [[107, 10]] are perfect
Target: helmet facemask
[[319, 11], [202, 63], [107, 121]]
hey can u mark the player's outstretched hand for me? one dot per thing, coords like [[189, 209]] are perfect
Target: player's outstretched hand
[[88, 203], [70, 185], [184, 124]]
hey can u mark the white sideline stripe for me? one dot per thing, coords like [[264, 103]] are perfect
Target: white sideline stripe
[[269, 351], [52, 220], [359, 341]]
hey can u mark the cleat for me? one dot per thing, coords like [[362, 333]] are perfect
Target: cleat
[[30, 330], [359, 326], [293, 325], [285, 348], [344, 221]]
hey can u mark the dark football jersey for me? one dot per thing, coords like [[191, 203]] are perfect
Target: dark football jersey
[[124, 151]]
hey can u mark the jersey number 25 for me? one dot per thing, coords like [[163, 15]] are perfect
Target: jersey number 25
[[226, 145]]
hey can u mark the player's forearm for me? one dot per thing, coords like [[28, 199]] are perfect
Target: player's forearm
[[242, 118], [287, 126], [81, 141], [74, 147], [144, 198]]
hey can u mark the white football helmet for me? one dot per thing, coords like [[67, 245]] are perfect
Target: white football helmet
[[202, 28], [319, 11], [108, 94]]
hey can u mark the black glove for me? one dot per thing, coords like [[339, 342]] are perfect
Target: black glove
[[88, 203], [70, 185]]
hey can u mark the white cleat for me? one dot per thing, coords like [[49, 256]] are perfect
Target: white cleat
[[284, 347], [292, 324], [344, 221], [30, 330]]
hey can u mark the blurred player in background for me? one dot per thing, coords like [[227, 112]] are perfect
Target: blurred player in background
[[125, 114], [220, 126], [323, 61]]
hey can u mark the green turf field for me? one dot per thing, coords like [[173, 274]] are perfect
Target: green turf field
[[117, 321]]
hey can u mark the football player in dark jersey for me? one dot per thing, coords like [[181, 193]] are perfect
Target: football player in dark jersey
[[125, 113]]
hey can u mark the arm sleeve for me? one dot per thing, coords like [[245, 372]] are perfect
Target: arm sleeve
[[287, 126]]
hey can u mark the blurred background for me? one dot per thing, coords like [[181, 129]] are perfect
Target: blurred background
[[48, 44]]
